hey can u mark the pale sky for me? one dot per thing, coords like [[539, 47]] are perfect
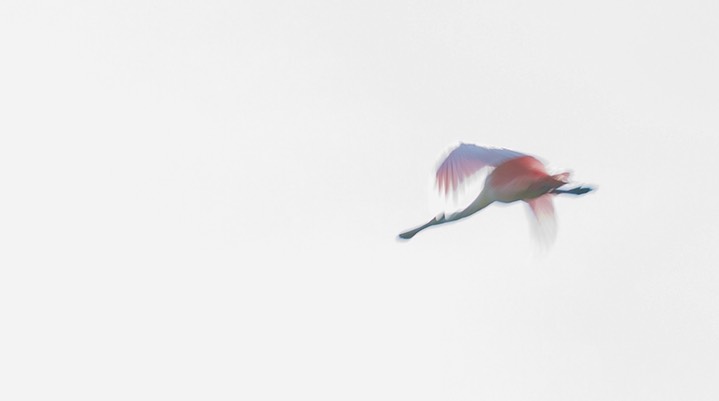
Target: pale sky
[[200, 200]]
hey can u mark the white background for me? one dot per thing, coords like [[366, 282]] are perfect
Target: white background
[[199, 200]]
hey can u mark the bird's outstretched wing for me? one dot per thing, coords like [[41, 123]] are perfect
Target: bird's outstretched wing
[[544, 224], [467, 159]]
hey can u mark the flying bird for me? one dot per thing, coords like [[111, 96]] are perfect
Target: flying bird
[[515, 177]]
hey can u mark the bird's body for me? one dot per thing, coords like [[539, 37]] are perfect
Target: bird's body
[[519, 179], [515, 177]]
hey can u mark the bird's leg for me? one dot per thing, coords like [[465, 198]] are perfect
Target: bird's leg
[[574, 191]]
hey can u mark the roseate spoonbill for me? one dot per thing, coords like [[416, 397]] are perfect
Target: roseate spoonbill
[[515, 177]]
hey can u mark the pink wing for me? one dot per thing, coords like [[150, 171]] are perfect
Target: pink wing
[[544, 225], [466, 160]]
